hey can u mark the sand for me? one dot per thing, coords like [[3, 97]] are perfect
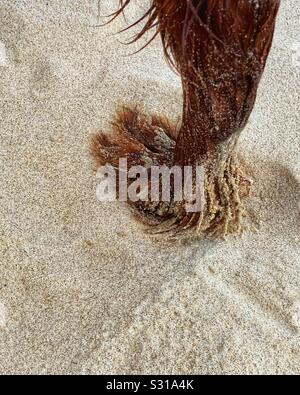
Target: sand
[[82, 288]]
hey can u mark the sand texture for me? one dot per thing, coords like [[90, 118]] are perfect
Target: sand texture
[[82, 288]]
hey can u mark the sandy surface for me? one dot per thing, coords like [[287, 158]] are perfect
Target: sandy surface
[[82, 289]]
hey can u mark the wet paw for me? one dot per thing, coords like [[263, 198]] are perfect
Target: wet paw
[[143, 141]]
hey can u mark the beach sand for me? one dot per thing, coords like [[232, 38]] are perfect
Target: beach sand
[[82, 288]]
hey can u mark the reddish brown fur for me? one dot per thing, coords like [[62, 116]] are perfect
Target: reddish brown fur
[[219, 47], [206, 40], [133, 137]]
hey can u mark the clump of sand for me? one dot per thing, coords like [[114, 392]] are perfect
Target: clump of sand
[[82, 289]]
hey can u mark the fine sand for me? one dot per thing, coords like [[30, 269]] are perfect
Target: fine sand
[[82, 288]]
